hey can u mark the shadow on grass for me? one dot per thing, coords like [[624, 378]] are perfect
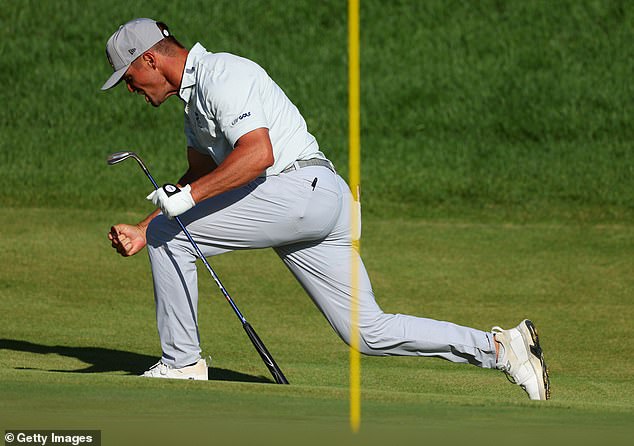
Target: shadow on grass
[[109, 360]]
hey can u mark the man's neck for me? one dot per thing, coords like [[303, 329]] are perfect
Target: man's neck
[[173, 68]]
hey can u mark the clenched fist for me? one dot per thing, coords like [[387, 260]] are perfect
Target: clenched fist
[[127, 239]]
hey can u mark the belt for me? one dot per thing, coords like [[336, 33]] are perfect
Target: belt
[[311, 162]]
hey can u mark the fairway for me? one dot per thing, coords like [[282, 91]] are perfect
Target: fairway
[[497, 183], [69, 345]]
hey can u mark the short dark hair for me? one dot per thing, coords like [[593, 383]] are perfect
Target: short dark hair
[[169, 44]]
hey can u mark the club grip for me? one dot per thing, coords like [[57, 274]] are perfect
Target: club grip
[[264, 354]]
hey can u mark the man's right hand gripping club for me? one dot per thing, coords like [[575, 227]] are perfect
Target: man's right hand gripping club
[[172, 200]]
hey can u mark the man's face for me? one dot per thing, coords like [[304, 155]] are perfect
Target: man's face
[[142, 77]]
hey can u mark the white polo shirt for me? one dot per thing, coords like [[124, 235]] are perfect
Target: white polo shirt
[[227, 96]]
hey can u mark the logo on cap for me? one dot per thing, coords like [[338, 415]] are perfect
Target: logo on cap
[[132, 51]]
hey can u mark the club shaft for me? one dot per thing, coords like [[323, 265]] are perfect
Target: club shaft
[[201, 256], [211, 271], [270, 363]]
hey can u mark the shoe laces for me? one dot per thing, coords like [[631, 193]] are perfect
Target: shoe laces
[[162, 367]]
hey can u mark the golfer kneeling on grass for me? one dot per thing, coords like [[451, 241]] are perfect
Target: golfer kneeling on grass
[[257, 179]]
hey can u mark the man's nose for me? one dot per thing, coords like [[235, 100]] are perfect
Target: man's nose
[[130, 89]]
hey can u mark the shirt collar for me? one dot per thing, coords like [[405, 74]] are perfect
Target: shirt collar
[[189, 73]]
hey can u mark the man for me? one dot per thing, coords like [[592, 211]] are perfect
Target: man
[[257, 179]]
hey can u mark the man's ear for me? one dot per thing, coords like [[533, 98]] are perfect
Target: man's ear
[[150, 59]]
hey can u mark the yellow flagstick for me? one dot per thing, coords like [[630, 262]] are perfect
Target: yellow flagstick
[[355, 180]]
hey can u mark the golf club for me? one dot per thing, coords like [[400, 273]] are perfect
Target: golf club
[[279, 377]]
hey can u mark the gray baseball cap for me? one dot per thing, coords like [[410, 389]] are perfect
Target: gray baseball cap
[[130, 41]]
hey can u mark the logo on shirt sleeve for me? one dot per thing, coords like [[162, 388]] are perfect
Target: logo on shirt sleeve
[[240, 118]]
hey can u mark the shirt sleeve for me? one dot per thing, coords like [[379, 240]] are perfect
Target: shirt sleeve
[[237, 105]]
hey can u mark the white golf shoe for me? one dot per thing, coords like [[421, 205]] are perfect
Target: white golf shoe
[[522, 359], [196, 371]]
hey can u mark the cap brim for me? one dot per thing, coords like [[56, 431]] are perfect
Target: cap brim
[[115, 78]]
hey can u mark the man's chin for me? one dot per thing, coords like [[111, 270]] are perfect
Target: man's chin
[[154, 102]]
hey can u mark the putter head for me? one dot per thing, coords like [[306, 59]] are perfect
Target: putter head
[[117, 157]]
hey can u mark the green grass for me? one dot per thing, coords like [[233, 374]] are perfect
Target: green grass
[[498, 184], [501, 109], [79, 322]]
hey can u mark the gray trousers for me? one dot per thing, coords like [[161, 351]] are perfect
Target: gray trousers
[[309, 228]]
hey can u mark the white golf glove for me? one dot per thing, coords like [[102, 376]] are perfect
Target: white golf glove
[[172, 200]]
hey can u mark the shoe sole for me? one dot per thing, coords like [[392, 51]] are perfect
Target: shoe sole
[[190, 378], [536, 351]]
